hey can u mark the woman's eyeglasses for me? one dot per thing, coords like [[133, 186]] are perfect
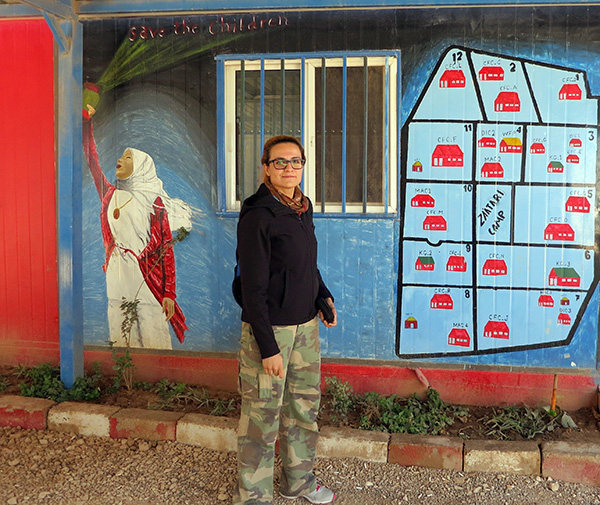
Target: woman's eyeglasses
[[281, 163]]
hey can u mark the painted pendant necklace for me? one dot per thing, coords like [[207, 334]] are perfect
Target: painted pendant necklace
[[117, 211]]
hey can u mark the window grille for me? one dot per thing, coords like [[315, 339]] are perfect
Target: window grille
[[342, 106]]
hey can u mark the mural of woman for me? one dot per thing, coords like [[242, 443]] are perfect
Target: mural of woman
[[137, 217]]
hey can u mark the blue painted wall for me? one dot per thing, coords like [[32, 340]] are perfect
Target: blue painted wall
[[171, 113]]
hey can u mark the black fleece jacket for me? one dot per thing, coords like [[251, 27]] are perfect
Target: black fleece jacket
[[277, 256]]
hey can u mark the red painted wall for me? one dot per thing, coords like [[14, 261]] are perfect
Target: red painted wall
[[28, 269]]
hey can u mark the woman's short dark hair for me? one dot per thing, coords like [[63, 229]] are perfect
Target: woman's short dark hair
[[279, 139]]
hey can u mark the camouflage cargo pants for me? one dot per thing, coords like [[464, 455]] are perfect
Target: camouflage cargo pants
[[287, 406]]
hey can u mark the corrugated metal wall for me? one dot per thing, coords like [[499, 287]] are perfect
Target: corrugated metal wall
[[28, 270]]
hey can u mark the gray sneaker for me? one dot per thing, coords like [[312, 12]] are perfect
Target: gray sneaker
[[319, 495]]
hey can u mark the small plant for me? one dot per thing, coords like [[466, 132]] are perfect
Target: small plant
[[341, 398], [4, 384], [43, 381], [179, 393], [527, 422]]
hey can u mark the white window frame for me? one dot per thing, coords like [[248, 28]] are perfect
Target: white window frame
[[308, 65]]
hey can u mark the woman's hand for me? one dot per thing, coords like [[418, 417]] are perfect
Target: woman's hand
[[91, 110], [334, 322], [168, 305], [273, 365]]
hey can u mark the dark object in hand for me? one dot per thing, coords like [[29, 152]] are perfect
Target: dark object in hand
[[325, 308]]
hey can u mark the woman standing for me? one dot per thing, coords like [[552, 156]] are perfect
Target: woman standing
[[280, 357], [139, 264]]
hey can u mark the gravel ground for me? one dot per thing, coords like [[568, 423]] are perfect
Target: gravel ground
[[46, 467]]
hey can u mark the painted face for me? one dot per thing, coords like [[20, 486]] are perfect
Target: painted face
[[287, 179], [125, 165]]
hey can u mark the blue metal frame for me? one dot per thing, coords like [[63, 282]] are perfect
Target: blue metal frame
[[69, 196], [102, 8]]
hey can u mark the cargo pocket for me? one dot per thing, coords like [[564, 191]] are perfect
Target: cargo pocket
[[255, 385]]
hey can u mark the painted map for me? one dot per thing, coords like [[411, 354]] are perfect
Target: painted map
[[498, 230]]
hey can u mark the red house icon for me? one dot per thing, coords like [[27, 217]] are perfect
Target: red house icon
[[448, 155], [411, 323], [435, 223], [559, 231], [459, 336], [537, 148], [570, 92], [507, 101], [564, 319], [578, 204], [572, 158], [575, 143], [492, 170], [495, 267], [453, 79], [555, 167], [545, 301], [417, 166], [565, 301], [422, 200], [456, 264], [563, 276], [491, 74], [424, 263], [486, 142], [496, 329], [511, 145], [441, 301]]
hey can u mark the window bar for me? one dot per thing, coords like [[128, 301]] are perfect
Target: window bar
[[344, 119], [365, 132], [262, 102], [323, 126], [386, 136], [282, 129], [302, 111], [243, 128]]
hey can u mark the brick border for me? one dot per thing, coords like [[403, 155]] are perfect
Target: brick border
[[573, 462]]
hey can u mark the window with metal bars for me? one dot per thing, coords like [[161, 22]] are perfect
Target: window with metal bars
[[342, 106]]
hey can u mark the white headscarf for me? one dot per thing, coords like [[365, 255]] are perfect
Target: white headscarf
[[144, 185]]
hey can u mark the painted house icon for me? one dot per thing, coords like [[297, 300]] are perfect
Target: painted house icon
[[456, 264], [507, 101], [564, 276], [496, 329], [424, 263], [511, 145], [422, 200], [486, 142], [537, 148], [559, 231], [570, 92], [575, 143], [564, 319], [492, 170], [437, 223], [495, 267], [578, 204], [555, 167], [417, 166], [453, 79], [442, 301], [545, 301], [459, 336], [565, 301], [411, 323], [573, 158], [491, 74], [447, 155]]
